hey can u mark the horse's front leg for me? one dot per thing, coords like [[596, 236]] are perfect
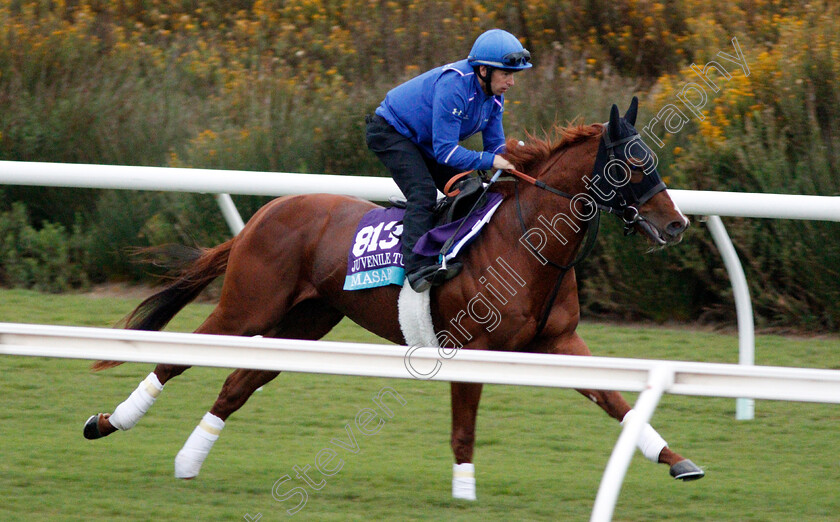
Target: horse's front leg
[[131, 410], [650, 443], [237, 389], [465, 399]]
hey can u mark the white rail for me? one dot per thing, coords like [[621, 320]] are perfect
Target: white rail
[[744, 407], [207, 181], [376, 360], [651, 377], [222, 183], [659, 379], [783, 206]]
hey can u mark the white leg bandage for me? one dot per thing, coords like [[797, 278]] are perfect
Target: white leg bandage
[[650, 442], [189, 460], [463, 481], [127, 414]]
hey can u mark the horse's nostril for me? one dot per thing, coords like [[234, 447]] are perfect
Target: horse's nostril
[[676, 227]]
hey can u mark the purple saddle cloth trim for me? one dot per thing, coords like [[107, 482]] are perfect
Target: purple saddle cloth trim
[[432, 241]]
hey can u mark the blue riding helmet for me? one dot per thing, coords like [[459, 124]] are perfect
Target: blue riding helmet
[[500, 49]]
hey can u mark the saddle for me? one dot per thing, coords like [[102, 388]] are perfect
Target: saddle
[[466, 193]]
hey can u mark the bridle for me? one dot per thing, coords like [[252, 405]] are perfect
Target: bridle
[[628, 201], [628, 212]]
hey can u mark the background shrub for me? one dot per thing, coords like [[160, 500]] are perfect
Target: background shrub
[[48, 259]]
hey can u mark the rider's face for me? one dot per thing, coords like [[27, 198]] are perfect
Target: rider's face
[[501, 81]]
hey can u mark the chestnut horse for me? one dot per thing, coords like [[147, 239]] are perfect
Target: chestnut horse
[[285, 271]]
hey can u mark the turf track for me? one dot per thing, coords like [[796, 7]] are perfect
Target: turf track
[[540, 452]]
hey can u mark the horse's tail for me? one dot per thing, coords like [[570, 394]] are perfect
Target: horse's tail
[[193, 270]]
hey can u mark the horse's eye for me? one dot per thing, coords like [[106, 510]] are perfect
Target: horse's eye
[[635, 164], [634, 167]]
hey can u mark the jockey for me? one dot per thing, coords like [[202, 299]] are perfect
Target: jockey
[[416, 132]]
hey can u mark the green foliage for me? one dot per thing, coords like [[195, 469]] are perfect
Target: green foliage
[[124, 219], [48, 259], [776, 130], [624, 281]]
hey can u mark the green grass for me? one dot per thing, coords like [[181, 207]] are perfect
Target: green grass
[[540, 452]]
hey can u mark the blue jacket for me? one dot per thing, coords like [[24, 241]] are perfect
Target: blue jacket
[[442, 107]]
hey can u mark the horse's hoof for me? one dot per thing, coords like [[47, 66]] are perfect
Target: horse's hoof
[[91, 430], [686, 470]]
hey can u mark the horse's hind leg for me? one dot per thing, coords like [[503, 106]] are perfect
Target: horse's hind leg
[[131, 410], [310, 319], [651, 444]]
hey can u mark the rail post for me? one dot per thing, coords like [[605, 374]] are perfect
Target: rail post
[[660, 378]]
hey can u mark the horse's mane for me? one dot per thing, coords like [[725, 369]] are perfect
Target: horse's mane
[[537, 150]]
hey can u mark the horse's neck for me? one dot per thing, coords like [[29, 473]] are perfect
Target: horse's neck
[[550, 217], [565, 169]]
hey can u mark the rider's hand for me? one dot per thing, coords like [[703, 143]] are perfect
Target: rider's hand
[[501, 163]]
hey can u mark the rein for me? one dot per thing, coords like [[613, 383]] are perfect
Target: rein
[[626, 211], [590, 238], [589, 243], [540, 184]]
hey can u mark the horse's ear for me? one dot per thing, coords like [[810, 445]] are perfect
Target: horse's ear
[[614, 117], [630, 115]]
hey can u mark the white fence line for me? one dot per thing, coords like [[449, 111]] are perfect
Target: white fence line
[[207, 181], [376, 360], [659, 379], [783, 206], [651, 377], [222, 183], [744, 407]]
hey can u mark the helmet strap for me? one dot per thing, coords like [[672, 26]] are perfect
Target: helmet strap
[[488, 90]]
